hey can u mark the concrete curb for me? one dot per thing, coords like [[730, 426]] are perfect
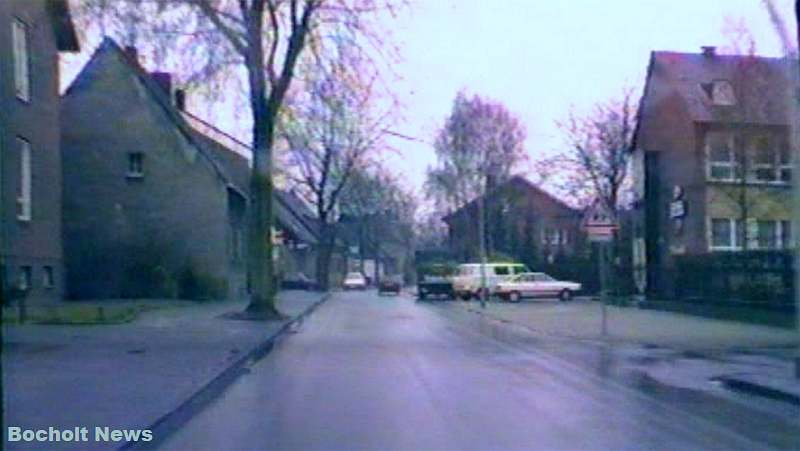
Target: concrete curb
[[174, 419], [752, 388]]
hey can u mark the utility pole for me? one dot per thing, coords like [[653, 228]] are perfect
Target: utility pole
[[482, 250]]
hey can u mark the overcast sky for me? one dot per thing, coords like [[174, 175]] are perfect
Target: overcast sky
[[540, 58]]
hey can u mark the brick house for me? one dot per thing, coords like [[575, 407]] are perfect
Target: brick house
[[151, 206], [711, 162], [523, 222], [32, 33]]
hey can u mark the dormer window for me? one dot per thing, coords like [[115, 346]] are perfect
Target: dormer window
[[722, 93]]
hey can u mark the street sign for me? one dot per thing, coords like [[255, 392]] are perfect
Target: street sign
[[601, 238], [599, 224]]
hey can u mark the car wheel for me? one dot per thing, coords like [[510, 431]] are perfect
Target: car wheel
[[514, 296], [565, 295], [483, 294], [465, 296]]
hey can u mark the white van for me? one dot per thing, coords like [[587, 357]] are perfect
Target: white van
[[467, 281]]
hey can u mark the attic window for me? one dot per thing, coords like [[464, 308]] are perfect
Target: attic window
[[135, 165], [721, 93]]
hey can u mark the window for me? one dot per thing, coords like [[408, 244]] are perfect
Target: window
[[723, 234], [786, 234], [767, 234], [769, 163], [19, 38], [784, 165], [764, 159], [135, 165], [722, 164], [48, 277], [24, 186], [554, 236], [502, 270], [24, 282], [722, 93]]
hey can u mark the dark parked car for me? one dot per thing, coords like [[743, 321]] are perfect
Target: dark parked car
[[390, 284], [298, 281]]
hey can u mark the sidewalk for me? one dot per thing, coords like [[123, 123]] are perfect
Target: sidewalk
[[130, 375], [677, 349]]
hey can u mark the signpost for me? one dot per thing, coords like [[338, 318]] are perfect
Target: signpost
[[600, 226]]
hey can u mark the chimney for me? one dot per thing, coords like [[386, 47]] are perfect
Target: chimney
[[132, 53], [709, 51], [180, 99], [164, 80]]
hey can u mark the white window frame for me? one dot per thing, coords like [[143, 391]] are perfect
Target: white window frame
[[24, 198], [732, 164], [20, 41], [722, 93], [776, 238], [734, 238]]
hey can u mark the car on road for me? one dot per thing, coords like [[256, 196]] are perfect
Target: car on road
[[536, 284], [468, 281], [390, 284], [354, 281], [435, 280]]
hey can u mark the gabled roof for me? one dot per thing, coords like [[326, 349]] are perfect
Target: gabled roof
[[63, 28], [516, 182], [687, 78], [231, 167], [157, 94], [296, 216]]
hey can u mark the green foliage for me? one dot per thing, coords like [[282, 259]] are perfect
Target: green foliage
[[500, 257], [437, 269], [199, 286]]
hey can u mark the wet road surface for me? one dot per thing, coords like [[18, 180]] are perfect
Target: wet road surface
[[385, 373]]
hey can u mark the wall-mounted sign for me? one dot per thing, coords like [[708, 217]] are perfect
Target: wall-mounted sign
[[677, 209]]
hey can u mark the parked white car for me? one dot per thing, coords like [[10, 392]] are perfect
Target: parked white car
[[536, 284], [467, 281], [354, 281]]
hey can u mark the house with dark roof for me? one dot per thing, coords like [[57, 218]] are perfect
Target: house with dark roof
[[32, 33], [711, 164], [142, 174], [522, 221], [152, 208]]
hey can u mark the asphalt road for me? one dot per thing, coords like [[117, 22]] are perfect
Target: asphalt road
[[387, 373]]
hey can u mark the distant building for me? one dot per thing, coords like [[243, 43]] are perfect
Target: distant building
[[523, 222], [32, 32], [152, 207], [711, 164]]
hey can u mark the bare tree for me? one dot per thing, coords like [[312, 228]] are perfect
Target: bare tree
[[477, 149], [332, 132], [595, 164], [261, 41]]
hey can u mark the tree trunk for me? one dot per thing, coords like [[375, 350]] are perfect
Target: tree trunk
[[327, 240], [260, 260]]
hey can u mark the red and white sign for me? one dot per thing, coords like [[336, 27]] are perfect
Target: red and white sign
[[599, 224]]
